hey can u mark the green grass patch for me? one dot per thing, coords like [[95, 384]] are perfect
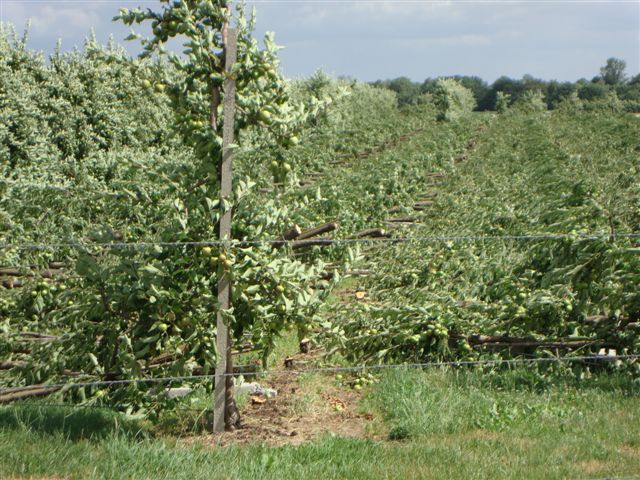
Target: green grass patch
[[444, 424]]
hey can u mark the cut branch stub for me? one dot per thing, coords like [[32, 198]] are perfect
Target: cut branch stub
[[291, 234], [312, 242], [8, 365], [402, 220], [14, 272], [12, 283], [38, 391], [372, 233], [507, 342], [314, 232]]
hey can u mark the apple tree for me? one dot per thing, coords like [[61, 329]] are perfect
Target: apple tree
[[149, 310]]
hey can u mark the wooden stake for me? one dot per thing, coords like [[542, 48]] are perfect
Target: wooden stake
[[224, 411]]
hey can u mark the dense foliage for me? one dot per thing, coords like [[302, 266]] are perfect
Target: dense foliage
[[452, 100], [113, 140], [571, 173], [133, 143]]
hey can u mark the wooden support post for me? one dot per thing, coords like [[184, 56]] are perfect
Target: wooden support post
[[224, 404]]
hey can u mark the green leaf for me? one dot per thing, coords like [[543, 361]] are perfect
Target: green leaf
[[152, 270]]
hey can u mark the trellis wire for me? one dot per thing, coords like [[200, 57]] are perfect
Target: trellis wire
[[90, 406], [320, 242], [321, 2], [55, 188], [358, 368]]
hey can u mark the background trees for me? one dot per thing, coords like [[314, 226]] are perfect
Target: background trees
[[612, 82], [613, 72], [408, 91]]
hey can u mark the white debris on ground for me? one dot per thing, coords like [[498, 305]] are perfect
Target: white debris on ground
[[609, 352], [178, 392], [248, 388], [255, 389]]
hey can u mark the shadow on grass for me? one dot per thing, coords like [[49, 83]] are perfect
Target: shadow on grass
[[73, 423]]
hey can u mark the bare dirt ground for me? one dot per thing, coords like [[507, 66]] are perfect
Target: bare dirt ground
[[307, 407]]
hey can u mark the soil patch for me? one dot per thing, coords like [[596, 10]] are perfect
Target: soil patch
[[307, 407]]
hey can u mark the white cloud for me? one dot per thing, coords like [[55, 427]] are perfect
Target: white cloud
[[414, 38], [310, 16], [416, 10], [342, 15], [57, 20], [450, 41]]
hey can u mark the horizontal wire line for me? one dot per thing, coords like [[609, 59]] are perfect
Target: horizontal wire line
[[464, 363], [319, 242], [63, 189], [320, 2], [90, 407]]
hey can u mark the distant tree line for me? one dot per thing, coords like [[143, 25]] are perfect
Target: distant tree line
[[611, 82]]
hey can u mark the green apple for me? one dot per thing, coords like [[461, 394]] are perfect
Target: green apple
[[265, 117]]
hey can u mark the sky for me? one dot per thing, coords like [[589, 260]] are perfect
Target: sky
[[374, 39]]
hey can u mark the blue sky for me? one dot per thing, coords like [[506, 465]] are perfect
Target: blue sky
[[372, 39]]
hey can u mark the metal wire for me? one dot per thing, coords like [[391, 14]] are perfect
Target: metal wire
[[353, 2], [464, 363], [321, 242], [92, 407], [55, 188]]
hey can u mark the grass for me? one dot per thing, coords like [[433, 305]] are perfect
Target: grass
[[448, 424]]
